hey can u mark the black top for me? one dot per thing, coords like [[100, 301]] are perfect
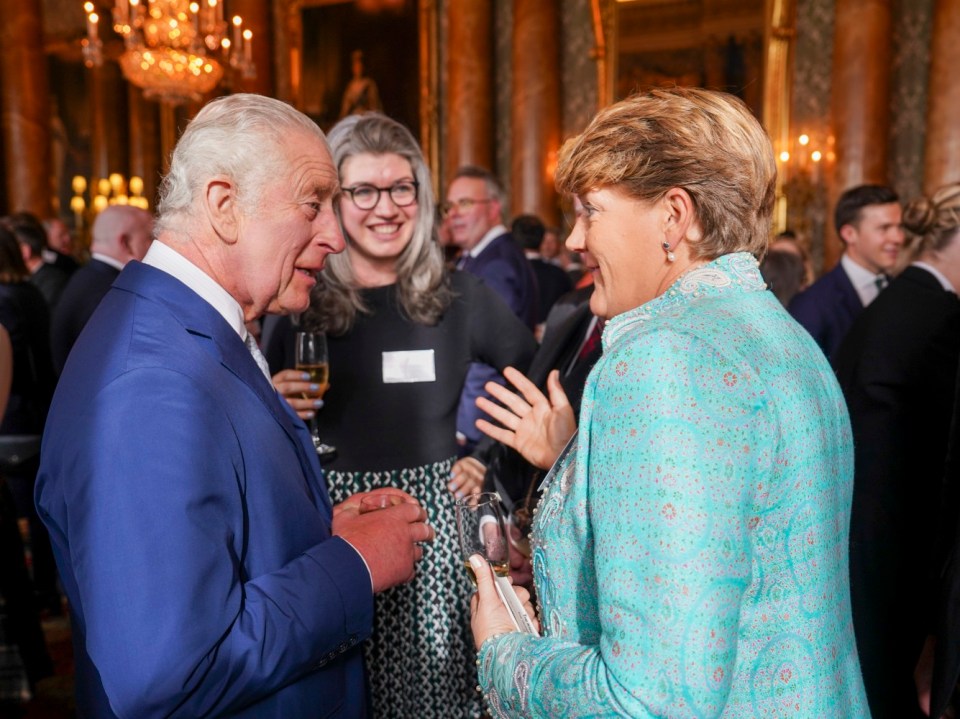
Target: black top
[[24, 314], [377, 425]]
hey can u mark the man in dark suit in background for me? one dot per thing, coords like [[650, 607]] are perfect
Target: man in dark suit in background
[[120, 233], [49, 270], [206, 570], [897, 367], [867, 219], [552, 281], [474, 210]]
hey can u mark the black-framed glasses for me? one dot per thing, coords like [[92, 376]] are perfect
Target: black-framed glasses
[[366, 197], [462, 205]]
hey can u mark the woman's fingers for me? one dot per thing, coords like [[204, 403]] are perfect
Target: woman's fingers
[[503, 415], [514, 402]]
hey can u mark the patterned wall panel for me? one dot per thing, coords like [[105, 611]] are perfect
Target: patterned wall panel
[[577, 65], [503, 69], [913, 23]]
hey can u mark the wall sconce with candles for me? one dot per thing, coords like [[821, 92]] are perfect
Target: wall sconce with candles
[[804, 163], [113, 190], [175, 50]]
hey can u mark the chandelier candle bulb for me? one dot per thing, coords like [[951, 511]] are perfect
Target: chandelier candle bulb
[[92, 20]]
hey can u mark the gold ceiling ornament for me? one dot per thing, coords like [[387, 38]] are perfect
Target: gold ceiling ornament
[[175, 50]]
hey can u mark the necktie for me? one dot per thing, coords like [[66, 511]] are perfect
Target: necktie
[[258, 357], [464, 261], [592, 341], [881, 282]]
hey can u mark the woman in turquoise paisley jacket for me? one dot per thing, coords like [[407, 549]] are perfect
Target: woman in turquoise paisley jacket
[[690, 549]]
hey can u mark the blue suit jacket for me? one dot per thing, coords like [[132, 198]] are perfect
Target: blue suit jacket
[[503, 267], [827, 308], [191, 525]]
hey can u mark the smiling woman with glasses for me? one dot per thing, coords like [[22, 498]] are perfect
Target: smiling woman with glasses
[[401, 333]]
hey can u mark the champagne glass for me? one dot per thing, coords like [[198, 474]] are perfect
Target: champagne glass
[[482, 530], [311, 357]]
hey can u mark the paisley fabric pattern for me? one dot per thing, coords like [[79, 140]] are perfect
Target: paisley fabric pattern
[[690, 550], [420, 659]]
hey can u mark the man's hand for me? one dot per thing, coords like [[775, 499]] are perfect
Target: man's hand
[[466, 477], [301, 394], [535, 426], [388, 539]]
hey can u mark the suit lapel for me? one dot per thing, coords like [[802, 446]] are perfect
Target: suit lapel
[[218, 338]]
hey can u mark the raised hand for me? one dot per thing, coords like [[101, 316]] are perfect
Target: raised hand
[[534, 425]]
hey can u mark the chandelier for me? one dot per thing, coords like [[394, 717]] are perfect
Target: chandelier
[[175, 50]]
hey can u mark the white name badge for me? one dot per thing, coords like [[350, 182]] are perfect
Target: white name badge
[[410, 366]]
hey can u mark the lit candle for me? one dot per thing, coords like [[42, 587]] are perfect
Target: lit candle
[[103, 187], [237, 21], [92, 20], [136, 185], [248, 46], [79, 184]]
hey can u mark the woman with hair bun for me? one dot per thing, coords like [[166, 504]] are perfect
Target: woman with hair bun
[[897, 368]]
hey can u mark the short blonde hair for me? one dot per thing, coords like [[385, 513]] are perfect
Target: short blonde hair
[[702, 141]]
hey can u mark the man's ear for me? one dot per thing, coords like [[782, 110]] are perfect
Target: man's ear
[[848, 233], [222, 208]]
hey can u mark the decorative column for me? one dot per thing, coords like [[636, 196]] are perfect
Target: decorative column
[[535, 108], [942, 143], [145, 159], [862, 44], [256, 18], [108, 103], [24, 109], [468, 101]]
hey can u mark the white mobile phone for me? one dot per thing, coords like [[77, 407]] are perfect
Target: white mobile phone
[[520, 618]]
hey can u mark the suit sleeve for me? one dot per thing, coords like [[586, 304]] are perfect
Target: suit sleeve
[[497, 337], [157, 529], [646, 464], [504, 278], [806, 308]]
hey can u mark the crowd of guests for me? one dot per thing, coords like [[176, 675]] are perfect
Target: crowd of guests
[[730, 488]]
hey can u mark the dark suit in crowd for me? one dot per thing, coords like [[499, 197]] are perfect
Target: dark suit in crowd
[[552, 283], [827, 308], [80, 298], [897, 368], [945, 612], [503, 267]]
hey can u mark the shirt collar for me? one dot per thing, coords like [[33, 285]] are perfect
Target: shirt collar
[[492, 234], [863, 280], [165, 258], [107, 260]]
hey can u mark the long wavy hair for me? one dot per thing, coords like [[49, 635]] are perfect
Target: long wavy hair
[[422, 284]]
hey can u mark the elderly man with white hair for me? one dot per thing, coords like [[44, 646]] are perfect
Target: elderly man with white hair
[[206, 570], [120, 233]]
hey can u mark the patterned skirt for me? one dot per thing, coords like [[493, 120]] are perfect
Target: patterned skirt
[[420, 659]]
